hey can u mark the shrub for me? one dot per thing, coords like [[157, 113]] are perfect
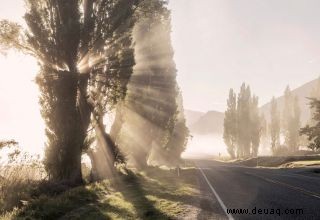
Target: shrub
[[20, 174]]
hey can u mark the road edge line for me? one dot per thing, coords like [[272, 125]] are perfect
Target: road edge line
[[230, 217]]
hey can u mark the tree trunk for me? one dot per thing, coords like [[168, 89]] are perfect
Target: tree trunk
[[65, 139]]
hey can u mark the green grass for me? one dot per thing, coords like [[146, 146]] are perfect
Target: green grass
[[152, 194]]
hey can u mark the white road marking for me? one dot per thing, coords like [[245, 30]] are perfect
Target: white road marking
[[217, 196]]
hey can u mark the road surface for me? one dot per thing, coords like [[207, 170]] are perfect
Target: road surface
[[261, 193]]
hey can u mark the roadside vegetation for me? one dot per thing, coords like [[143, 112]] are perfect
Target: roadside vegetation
[[152, 194], [280, 161]]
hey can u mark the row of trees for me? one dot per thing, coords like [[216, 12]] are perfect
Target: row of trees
[[287, 125], [87, 51], [244, 126], [242, 123], [312, 129]]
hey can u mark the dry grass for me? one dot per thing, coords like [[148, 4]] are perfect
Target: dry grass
[[20, 174], [302, 163], [275, 161], [153, 194]]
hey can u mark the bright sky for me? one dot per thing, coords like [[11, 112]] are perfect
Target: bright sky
[[20, 117], [218, 44], [221, 43]]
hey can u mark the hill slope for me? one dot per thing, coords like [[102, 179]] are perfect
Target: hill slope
[[192, 116], [209, 123]]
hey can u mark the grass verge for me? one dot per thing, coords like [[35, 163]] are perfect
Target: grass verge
[[278, 161], [302, 163], [152, 194]]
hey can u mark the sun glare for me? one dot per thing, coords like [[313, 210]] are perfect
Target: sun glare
[[19, 110]]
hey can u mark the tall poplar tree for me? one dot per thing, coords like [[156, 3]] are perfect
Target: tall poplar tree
[[274, 125], [286, 115], [243, 115], [84, 49], [291, 120], [255, 126], [294, 126], [150, 109], [242, 124], [230, 124]]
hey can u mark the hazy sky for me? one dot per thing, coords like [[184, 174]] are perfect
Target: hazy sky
[[218, 44], [19, 110], [266, 43]]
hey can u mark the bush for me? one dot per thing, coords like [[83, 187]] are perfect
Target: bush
[[20, 174]]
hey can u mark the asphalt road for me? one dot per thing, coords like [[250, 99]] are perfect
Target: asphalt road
[[262, 193]]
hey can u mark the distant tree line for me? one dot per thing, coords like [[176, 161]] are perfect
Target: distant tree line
[[242, 124], [287, 125], [312, 129]]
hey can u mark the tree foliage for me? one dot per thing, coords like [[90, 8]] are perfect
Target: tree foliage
[[242, 124], [274, 125], [8, 143], [85, 53], [315, 93], [313, 131], [86, 50], [230, 124], [255, 125], [243, 114], [291, 120], [150, 112], [179, 137]]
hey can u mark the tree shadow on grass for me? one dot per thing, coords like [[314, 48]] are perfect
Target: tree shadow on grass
[[77, 203], [169, 191], [166, 183], [134, 193], [96, 201]]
